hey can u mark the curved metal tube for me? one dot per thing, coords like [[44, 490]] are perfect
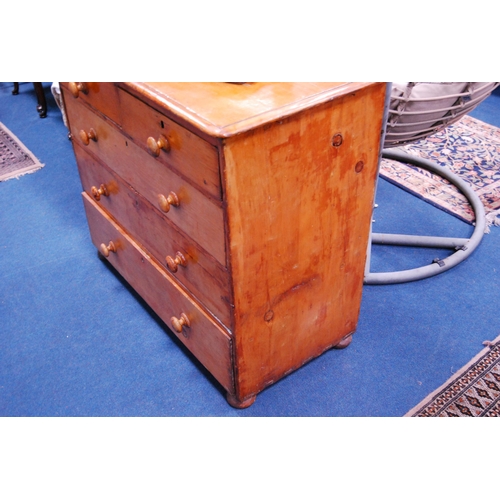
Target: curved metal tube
[[466, 246]]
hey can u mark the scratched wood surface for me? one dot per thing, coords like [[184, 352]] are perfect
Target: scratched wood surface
[[218, 109], [299, 211]]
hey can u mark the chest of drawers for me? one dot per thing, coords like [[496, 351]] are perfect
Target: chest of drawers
[[239, 212]]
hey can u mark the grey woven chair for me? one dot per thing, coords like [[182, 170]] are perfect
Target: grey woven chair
[[415, 111]]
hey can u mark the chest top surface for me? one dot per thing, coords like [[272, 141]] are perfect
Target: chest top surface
[[224, 109]]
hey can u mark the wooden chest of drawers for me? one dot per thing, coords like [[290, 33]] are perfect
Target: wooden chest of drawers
[[239, 212]]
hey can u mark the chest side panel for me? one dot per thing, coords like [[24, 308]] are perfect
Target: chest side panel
[[299, 203]]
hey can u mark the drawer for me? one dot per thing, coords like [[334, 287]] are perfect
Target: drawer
[[188, 154], [101, 96], [205, 339], [200, 273], [199, 217]]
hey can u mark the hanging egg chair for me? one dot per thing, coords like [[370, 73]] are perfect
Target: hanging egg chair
[[415, 111]]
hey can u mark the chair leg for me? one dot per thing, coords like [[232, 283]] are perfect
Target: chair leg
[[16, 88], [463, 246], [42, 103]]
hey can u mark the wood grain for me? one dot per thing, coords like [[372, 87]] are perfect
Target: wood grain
[[199, 217], [208, 342], [203, 276], [220, 109], [103, 97], [299, 211], [190, 156]]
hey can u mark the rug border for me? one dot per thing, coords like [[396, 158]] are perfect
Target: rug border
[[454, 377], [23, 171]]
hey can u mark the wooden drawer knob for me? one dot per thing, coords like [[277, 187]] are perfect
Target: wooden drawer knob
[[178, 324], [97, 193], [76, 87], [179, 260], [105, 249], [86, 137], [166, 202], [155, 146]]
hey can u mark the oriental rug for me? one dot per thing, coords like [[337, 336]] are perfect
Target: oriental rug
[[474, 391], [471, 149], [15, 159]]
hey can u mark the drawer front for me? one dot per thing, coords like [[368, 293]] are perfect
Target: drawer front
[[209, 343], [196, 215], [197, 271], [188, 154], [101, 96]]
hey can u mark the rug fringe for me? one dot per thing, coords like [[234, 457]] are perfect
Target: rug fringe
[[21, 174], [34, 167], [492, 219]]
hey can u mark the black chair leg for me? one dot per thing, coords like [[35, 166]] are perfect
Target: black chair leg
[[16, 88], [42, 103]]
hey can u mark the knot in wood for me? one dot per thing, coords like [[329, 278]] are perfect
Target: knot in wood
[[337, 140], [269, 316]]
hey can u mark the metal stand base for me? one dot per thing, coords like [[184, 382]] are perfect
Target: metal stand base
[[463, 246]]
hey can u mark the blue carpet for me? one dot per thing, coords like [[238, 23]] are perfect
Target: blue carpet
[[75, 340]]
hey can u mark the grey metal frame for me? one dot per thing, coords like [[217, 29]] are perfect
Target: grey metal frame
[[463, 246], [396, 116]]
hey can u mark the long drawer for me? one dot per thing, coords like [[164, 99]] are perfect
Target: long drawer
[[183, 151], [193, 213], [200, 273], [205, 339]]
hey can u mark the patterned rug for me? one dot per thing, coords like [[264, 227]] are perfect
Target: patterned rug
[[471, 149], [474, 391], [15, 159]]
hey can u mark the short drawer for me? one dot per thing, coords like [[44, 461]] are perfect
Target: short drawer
[[193, 326], [200, 273], [185, 152], [199, 217], [103, 97]]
